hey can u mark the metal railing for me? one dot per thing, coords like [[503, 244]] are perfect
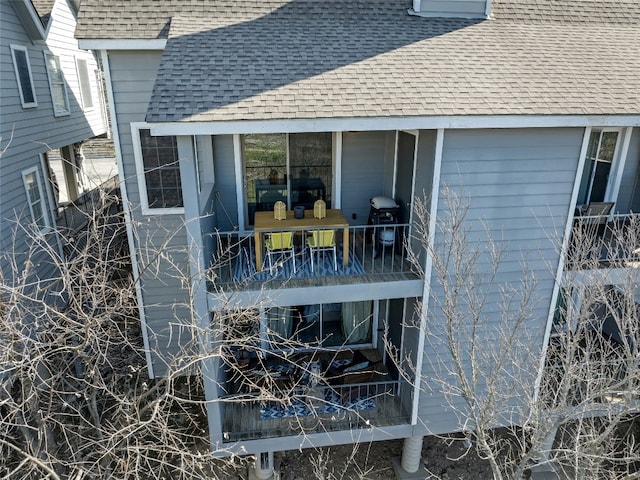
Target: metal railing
[[318, 409], [604, 241], [377, 250]]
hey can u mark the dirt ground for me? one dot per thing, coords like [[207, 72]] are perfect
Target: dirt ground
[[445, 460]]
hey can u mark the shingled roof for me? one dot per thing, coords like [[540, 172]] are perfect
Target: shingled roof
[[304, 59]]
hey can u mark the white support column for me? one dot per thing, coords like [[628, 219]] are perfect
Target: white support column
[[412, 454], [263, 469], [545, 469]]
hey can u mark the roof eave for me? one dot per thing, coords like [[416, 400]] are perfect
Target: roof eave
[[122, 44], [30, 19], [391, 123]]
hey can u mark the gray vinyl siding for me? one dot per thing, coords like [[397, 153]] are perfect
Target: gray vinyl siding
[[458, 8], [517, 184], [26, 133], [226, 206], [366, 168], [628, 200], [164, 278], [423, 181]]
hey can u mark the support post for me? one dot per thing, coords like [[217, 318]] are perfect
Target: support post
[[263, 469], [410, 466], [411, 454]]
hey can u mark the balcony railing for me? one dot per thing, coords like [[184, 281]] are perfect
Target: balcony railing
[[585, 372], [373, 251], [312, 410], [604, 241], [73, 216]]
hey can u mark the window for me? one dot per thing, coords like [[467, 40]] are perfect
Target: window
[[85, 84], [23, 75], [35, 198], [295, 168], [160, 186], [598, 165], [57, 85], [326, 325]]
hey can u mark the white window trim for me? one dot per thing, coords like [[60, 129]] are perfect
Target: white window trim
[[617, 163], [57, 113], [142, 184], [93, 99], [15, 68], [240, 165], [43, 202]]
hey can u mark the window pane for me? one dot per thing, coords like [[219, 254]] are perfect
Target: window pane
[[608, 146], [309, 330], [310, 158], [35, 199], [161, 170], [37, 214], [85, 84], [356, 322], [265, 163], [280, 327], [24, 76], [59, 98], [56, 81], [167, 156]]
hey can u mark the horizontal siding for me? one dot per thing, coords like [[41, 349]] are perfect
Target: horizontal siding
[[64, 45], [27, 133], [517, 184], [364, 168], [225, 183], [164, 287]]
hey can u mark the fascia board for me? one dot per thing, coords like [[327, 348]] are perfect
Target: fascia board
[[30, 19], [111, 44], [392, 123]]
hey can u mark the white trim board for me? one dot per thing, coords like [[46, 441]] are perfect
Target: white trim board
[[563, 257], [433, 213], [110, 44], [142, 184], [392, 123]]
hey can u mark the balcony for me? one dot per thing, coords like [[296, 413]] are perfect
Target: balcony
[[310, 393], [374, 254], [98, 209], [588, 367], [75, 215], [604, 242]]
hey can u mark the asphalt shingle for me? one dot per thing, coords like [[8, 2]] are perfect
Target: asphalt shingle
[[263, 60]]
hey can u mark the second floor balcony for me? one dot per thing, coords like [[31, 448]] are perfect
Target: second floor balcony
[[307, 256], [604, 241]]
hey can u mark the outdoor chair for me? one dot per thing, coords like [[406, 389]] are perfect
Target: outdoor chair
[[322, 240], [594, 216], [599, 210], [277, 244]]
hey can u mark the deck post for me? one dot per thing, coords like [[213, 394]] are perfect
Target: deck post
[[412, 454], [263, 469]]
